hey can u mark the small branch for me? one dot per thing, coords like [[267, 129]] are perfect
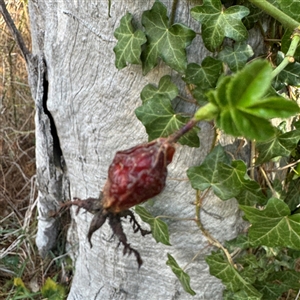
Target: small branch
[[252, 159], [291, 165], [289, 57], [14, 31], [183, 130], [209, 237], [274, 193]]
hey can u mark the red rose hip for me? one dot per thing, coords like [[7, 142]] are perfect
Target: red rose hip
[[134, 176], [137, 174]]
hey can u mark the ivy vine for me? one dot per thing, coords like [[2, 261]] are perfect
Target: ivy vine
[[241, 93]]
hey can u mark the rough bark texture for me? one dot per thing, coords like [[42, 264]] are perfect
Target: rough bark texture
[[85, 113]]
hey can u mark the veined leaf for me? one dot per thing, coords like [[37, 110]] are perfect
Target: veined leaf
[[165, 87], [239, 123], [220, 268], [160, 120], [218, 23], [241, 241], [278, 283], [206, 75], [243, 110], [205, 175], [128, 48], [291, 8], [226, 180], [279, 145], [164, 40], [250, 84], [273, 107], [250, 193], [292, 198], [183, 277], [254, 15], [159, 228], [237, 56], [274, 225], [290, 75]]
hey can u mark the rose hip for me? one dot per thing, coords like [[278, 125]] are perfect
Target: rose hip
[[134, 176], [137, 174]]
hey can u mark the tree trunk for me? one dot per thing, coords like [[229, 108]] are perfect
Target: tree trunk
[[85, 113]]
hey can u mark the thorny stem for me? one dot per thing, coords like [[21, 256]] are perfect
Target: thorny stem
[[183, 130], [289, 57], [209, 237], [206, 112]]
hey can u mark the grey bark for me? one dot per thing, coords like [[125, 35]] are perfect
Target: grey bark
[[85, 113]]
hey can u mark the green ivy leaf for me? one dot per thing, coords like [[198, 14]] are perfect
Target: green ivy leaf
[[164, 41], [254, 15], [128, 48], [159, 228], [241, 241], [183, 277], [226, 180], [279, 282], [165, 87], [220, 268], [292, 198], [250, 193], [160, 120], [218, 23], [237, 56], [291, 8], [282, 144], [273, 226], [290, 75], [289, 278], [199, 95], [206, 175], [231, 180], [206, 75], [240, 295]]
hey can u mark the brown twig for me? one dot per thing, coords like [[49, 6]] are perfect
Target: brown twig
[[14, 31]]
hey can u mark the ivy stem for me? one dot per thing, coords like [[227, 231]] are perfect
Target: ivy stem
[[276, 13], [206, 233], [289, 57]]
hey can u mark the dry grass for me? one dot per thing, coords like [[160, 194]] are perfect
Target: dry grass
[[18, 253]]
